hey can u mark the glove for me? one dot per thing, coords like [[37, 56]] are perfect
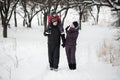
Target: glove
[[64, 41], [63, 45], [67, 28], [45, 34]]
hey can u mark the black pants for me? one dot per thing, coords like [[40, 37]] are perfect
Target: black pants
[[70, 52], [53, 55]]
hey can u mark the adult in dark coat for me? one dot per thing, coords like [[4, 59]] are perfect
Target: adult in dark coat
[[70, 46], [54, 44]]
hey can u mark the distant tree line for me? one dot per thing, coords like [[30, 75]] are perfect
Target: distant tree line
[[31, 8]]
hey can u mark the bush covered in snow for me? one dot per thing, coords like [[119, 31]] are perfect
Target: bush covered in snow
[[110, 52]]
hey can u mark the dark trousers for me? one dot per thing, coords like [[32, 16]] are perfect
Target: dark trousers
[[70, 52], [53, 55]]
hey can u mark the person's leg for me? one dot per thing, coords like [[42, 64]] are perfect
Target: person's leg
[[72, 57], [56, 56], [73, 50], [67, 48], [50, 55]]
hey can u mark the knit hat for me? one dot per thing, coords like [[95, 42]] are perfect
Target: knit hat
[[53, 12], [75, 23], [54, 20]]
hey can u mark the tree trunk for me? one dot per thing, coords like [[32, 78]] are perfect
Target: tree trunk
[[24, 20], [65, 16], [2, 18], [29, 24], [45, 21], [5, 30], [119, 19], [15, 17], [38, 19], [98, 11], [49, 6], [41, 19], [80, 17]]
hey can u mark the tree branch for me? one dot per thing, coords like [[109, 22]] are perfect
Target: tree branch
[[12, 11]]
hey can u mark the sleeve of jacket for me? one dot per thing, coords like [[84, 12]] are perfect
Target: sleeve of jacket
[[45, 33], [49, 19], [58, 19], [67, 28], [63, 40], [48, 26]]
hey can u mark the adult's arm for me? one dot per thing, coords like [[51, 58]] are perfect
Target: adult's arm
[[63, 40]]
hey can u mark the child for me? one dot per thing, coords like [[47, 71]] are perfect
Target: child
[[70, 45], [50, 18]]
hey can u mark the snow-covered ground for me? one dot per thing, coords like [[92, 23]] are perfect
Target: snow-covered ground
[[23, 55]]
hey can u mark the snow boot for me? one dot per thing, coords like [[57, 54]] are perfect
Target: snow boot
[[56, 69], [51, 68], [72, 66]]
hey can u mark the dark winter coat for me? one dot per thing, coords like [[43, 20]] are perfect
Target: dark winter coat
[[71, 37], [55, 36]]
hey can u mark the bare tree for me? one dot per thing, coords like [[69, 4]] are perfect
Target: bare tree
[[114, 3], [15, 18], [30, 10], [6, 10]]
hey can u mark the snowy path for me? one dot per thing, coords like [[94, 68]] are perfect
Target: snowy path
[[33, 64], [33, 58]]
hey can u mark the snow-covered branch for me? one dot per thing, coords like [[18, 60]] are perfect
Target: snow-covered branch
[[12, 10], [115, 6]]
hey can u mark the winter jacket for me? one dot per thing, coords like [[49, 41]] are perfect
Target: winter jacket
[[55, 36], [72, 34], [51, 17]]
